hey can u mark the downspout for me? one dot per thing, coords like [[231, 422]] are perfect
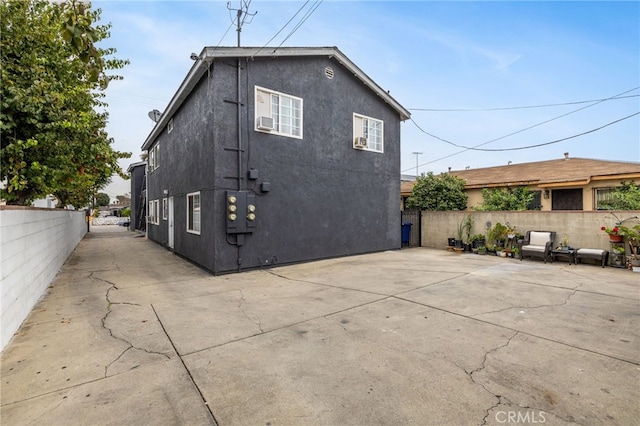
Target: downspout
[[239, 237]]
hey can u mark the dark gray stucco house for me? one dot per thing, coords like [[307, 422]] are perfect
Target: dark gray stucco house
[[266, 158], [137, 173]]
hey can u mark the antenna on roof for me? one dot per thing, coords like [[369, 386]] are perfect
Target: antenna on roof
[[241, 16]]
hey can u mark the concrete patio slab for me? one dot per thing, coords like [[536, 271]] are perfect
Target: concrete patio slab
[[131, 334]]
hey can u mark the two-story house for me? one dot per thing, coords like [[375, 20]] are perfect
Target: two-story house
[[267, 157]]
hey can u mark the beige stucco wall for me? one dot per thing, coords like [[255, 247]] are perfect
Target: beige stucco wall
[[475, 195], [582, 228]]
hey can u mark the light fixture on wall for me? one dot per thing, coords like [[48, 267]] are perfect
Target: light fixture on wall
[[546, 193], [165, 192]]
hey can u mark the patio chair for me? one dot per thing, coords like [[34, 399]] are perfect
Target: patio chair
[[537, 244]]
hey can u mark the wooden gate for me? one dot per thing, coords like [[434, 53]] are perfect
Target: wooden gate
[[413, 217]]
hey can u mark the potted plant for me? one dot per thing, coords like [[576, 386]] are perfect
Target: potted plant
[[632, 235], [460, 233], [617, 255], [467, 225], [498, 234], [482, 250], [477, 240], [614, 233]]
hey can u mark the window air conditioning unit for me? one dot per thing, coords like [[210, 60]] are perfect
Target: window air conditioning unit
[[360, 143], [265, 123]]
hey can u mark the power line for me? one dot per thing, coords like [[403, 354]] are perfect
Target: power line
[[558, 140], [529, 146], [283, 27], [313, 8], [525, 107], [521, 130]]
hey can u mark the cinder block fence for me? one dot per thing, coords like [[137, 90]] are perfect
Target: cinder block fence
[[34, 244]]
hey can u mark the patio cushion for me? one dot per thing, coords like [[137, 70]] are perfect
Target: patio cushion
[[539, 238], [587, 251], [534, 248]]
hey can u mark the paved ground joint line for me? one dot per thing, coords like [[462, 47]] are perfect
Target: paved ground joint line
[[202, 397], [520, 331]]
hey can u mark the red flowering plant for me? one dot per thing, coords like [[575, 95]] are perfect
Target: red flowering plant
[[611, 231]]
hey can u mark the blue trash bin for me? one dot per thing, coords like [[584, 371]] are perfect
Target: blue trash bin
[[406, 233]]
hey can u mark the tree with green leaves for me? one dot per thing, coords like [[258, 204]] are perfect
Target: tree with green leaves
[[52, 119], [517, 198], [438, 192], [102, 199], [623, 197]]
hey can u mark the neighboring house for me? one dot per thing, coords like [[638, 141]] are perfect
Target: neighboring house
[[267, 157], [137, 172], [564, 184]]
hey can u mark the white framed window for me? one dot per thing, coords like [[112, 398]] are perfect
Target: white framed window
[[371, 129], [154, 157], [170, 126], [278, 113], [152, 218], [193, 213], [152, 160], [165, 208], [157, 151]]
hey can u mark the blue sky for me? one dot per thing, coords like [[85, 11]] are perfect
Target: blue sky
[[429, 55]]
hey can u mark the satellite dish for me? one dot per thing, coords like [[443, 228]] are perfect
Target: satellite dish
[[155, 115]]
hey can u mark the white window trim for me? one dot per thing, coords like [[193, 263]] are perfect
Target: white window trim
[[358, 132], [165, 208], [280, 94], [192, 231], [157, 160], [154, 157], [170, 126], [153, 218]]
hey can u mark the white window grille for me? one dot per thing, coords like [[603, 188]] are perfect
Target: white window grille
[[193, 213], [371, 129], [165, 208], [285, 111]]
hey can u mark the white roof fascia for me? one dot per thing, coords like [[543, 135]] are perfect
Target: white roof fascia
[[209, 54]]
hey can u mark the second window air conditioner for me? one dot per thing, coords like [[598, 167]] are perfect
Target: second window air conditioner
[[360, 142], [265, 123]]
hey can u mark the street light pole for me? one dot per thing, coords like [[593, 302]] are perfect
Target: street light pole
[[416, 154]]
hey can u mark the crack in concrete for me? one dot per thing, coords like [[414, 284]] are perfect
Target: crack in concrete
[[103, 322], [501, 399], [256, 321], [482, 367], [566, 300]]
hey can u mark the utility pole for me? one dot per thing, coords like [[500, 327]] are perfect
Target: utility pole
[[416, 154], [241, 16]]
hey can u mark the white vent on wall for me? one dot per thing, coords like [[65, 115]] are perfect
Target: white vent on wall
[[265, 123], [360, 143]]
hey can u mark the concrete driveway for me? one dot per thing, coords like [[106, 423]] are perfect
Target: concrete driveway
[[130, 334]]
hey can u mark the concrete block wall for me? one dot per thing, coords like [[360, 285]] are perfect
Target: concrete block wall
[[581, 227], [34, 244]]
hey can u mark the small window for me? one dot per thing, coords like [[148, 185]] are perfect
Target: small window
[[165, 208], [154, 157], [371, 129], [603, 197], [278, 113], [157, 159], [193, 213], [153, 213], [170, 126]]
